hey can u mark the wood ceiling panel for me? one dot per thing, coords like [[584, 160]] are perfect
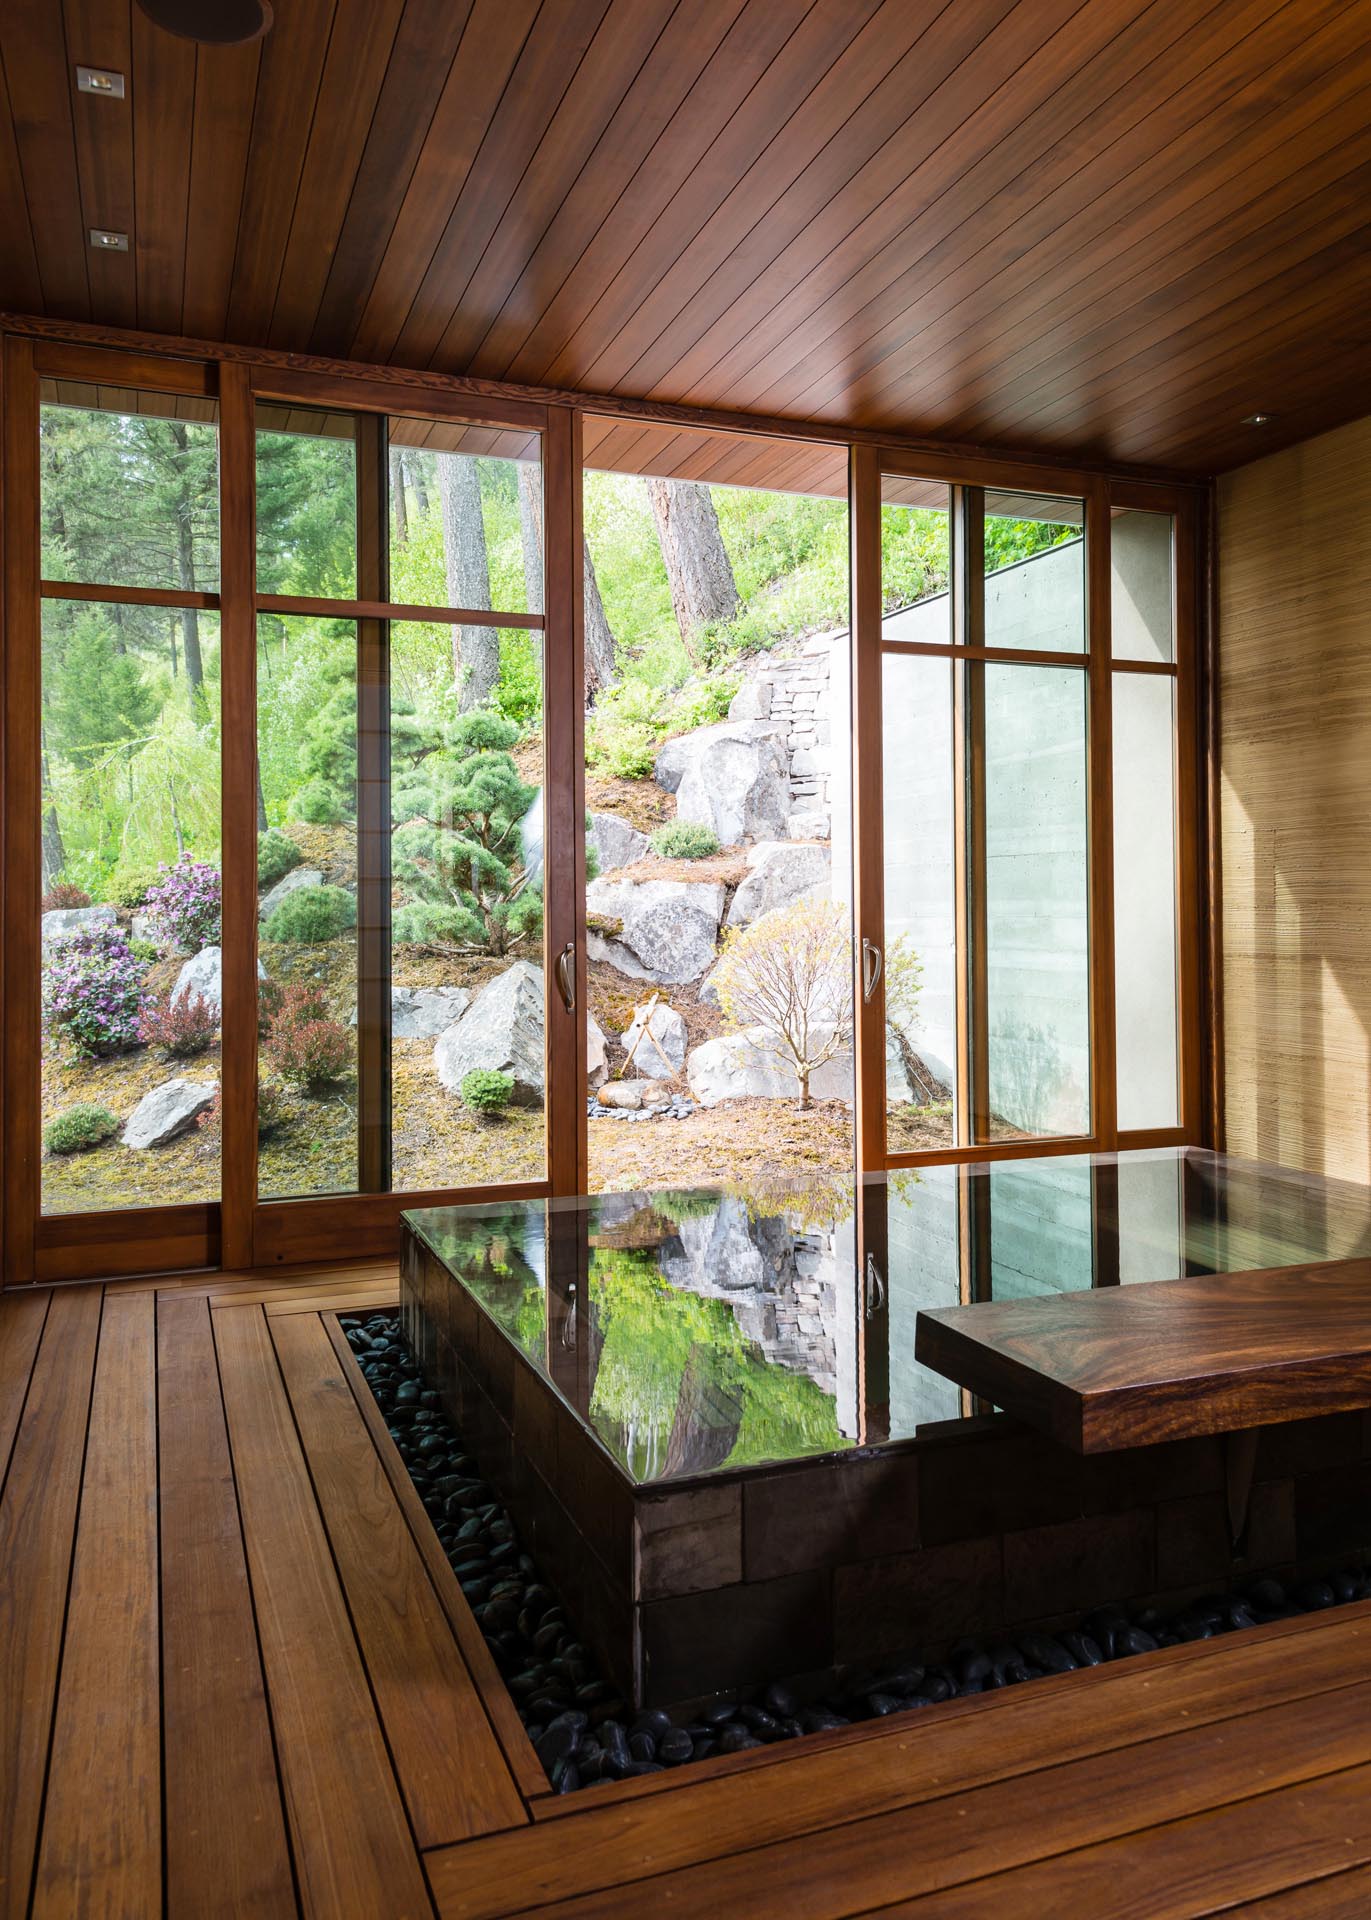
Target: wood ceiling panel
[[1104, 229]]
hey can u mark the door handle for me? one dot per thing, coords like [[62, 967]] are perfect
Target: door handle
[[871, 967], [875, 1287], [566, 975]]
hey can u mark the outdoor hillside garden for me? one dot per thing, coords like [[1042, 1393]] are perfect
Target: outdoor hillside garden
[[709, 612]]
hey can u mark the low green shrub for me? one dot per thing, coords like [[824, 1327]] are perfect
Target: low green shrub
[[684, 840], [319, 803], [79, 1129], [129, 887], [312, 914], [487, 1092], [146, 952], [277, 855]]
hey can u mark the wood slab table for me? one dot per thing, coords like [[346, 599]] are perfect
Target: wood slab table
[[1166, 1359]]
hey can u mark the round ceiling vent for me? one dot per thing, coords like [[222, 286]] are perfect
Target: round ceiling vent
[[215, 23]]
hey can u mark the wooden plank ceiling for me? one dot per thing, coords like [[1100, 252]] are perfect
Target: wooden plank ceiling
[[1107, 228]]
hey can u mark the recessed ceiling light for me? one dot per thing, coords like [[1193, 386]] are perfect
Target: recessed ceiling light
[[1256, 420], [100, 80], [216, 23], [104, 240]]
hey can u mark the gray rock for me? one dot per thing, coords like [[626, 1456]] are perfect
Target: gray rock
[[167, 1112], [202, 976], [780, 872], [664, 1026], [742, 1066], [809, 826], [531, 838], [733, 777], [501, 1030], [616, 843], [633, 1094], [422, 1013], [62, 922], [707, 993], [143, 926], [597, 1054], [752, 701], [669, 928], [292, 882]]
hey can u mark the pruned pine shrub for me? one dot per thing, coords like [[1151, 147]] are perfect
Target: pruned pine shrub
[[487, 1092], [684, 840], [312, 914], [277, 855], [79, 1129]]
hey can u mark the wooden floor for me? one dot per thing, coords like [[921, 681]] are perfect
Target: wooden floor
[[239, 1679]]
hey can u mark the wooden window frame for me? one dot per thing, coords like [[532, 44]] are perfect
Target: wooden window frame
[[240, 1231]]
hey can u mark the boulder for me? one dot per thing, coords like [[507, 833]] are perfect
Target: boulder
[[63, 922], [616, 843], [733, 777], [663, 1025], [780, 871], [502, 1030], [632, 1095], [752, 701], [597, 1054], [669, 929], [167, 1112], [707, 993], [742, 1066], [422, 1013], [203, 974], [292, 882], [809, 826]]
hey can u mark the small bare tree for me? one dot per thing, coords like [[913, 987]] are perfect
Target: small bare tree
[[787, 981]]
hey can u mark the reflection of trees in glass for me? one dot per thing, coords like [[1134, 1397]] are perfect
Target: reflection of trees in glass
[[675, 1370], [491, 1258]]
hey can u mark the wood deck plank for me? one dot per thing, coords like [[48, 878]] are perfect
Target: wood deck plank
[[353, 1849], [37, 1532], [450, 1765], [870, 1863], [21, 1327], [1186, 1868], [787, 1793], [216, 1729], [101, 1849], [504, 1717]]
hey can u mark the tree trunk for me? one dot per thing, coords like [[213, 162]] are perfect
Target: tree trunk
[[475, 650], [414, 473], [531, 530], [185, 575], [599, 663], [54, 851], [703, 590], [399, 503], [261, 804]]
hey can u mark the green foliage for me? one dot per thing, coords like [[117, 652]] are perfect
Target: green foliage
[[685, 840], [79, 1129], [277, 855], [319, 803], [146, 952], [487, 1091], [458, 853], [311, 914], [129, 887], [99, 701], [629, 723]]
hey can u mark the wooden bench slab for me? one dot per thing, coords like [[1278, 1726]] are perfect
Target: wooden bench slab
[[1165, 1359]]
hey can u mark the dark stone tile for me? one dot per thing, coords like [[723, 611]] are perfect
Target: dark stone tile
[[1193, 1547], [990, 1482], [598, 1496], [735, 1636], [596, 1603], [821, 1516], [1333, 1511], [1141, 1476], [1078, 1564], [536, 1421], [688, 1541], [1309, 1446], [913, 1600], [494, 1364]]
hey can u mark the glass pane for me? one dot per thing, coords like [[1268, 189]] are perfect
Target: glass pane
[[130, 933], [307, 905], [1034, 573], [1036, 900], [1145, 899], [718, 783], [467, 995], [306, 503], [466, 518], [1141, 586], [1041, 1228], [916, 560], [130, 489], [920, 902]]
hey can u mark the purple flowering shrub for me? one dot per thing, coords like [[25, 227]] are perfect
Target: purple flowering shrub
[[93, 993], [185, 904]]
